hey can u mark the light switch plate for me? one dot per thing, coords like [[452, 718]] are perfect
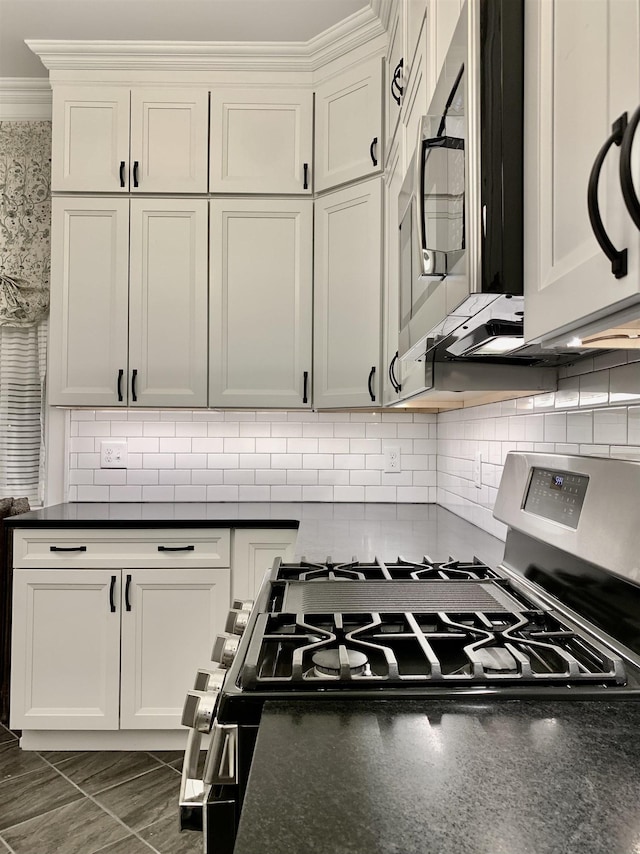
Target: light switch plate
[[113, 454]]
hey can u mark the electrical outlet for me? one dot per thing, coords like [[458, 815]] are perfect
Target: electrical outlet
[[113, 454], [477, 470], [392, 459]]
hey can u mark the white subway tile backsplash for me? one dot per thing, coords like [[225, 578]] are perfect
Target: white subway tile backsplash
[[268, 477], [92, 493], [223, 461], [159, 461], [175, 446], [254, 493], [333, 446], [110, 477], [240, 477], [172, 477], [317, 430], [349, 430], [222, 493], [333, 477], [317, 493], [191, 429], [223, 429], [380, 493], [239, 446], [286, 461], [190, 493], [365, 478], [579, 427], [610, 426], [125, 493], [555, 427], [286, 429], [317, 461], [142, 477], [271, 446], [300, 477], [191, 461], [253, 461], [348, 461], [302, 446], [207, 477], [633, 424], [348, 493], [365, 446], [286, 493], [126, 428], [210, 445], [159, 428], [260, 429], [143, 446], [94, 428]]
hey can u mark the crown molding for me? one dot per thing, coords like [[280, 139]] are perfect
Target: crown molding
[[97, 55], [25, 99]]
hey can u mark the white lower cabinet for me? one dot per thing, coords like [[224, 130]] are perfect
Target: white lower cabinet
[[253, 553], [106, 649]]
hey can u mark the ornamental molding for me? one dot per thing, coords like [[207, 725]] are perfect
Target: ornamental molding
[[25, 99], [97, 55]]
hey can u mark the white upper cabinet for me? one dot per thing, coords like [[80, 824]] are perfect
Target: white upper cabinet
[[128, 302], [261, 141], [349, 125], [393, 182], [88, 329], [347, 297], [582, 73], [168, 302], [90, 139], [116, 139], [261, 302], [394, 67]]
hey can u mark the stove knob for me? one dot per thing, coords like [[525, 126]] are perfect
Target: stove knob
[[242, 604], [199, 709], [237, 622], [224, 649], [209, 680]]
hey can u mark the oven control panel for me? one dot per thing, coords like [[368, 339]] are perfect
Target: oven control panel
[[556, 495]]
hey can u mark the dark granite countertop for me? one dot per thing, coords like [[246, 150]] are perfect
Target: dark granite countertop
[[338, 530], [444, 777]]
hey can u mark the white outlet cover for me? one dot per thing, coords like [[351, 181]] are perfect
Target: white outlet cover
[[392, 461], [113, 454]]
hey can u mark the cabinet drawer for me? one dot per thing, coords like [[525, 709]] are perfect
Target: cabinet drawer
[[94, 548]]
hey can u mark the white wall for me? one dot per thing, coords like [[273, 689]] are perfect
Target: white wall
[[252, 456], [595, 412]]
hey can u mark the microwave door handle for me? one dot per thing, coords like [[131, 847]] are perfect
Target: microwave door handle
[[438, 142]]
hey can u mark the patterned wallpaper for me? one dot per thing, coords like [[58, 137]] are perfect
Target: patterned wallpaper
[[25, 203]]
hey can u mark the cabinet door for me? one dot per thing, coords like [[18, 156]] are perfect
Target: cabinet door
[[261, 141], [89, 296], [169, 140], [415, 102], [254, 552], [65, 664], [393, 182], [170, 618], [168, 303], [347, 297], [582, 70], [349, 125], [261, 303], [90, 139]]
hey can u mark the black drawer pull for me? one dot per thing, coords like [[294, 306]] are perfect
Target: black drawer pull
[[122, 173], [618, 257], [112, 587], [176, 548], [135, 173], [306, 177], [120, 375], [134, 376], [370, 383], [127, 603], [67, 548], [305, 398], [374, 143]]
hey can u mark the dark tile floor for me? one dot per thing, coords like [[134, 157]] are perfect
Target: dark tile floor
[[84, 803]]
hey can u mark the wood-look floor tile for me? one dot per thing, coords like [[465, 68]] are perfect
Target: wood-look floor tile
[[98, 770], [167, 838], [128, 845], [6, 734], [78, 828], [14, 762], [144, 800], [34, 794], [58, 757]]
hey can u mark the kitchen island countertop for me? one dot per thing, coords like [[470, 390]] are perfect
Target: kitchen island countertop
[[444, 777], [341, 530]]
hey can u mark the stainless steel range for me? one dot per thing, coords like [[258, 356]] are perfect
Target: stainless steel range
[[557, 619]]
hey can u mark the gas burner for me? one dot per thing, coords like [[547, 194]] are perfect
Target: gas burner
[[333, 662]]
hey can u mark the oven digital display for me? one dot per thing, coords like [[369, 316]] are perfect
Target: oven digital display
[[556, 495]]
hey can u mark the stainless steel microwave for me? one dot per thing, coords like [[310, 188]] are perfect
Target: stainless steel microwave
[[460, 205]]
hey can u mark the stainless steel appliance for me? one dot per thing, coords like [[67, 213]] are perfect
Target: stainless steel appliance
[[556, 620], [460, 207]]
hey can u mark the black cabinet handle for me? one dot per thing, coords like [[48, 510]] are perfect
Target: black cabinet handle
[[134, 377], [112, 587], [135, 173], [392, 374], [67, 548], [122, 173], [626, 179], [305, 383], [305, 186], [618, 257], [395, 84], [374, 143], [127, 587], [176, 548], [370, 383], [120, 375]]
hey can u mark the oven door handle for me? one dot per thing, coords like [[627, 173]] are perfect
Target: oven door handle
[[192, 790], [221, 764]]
